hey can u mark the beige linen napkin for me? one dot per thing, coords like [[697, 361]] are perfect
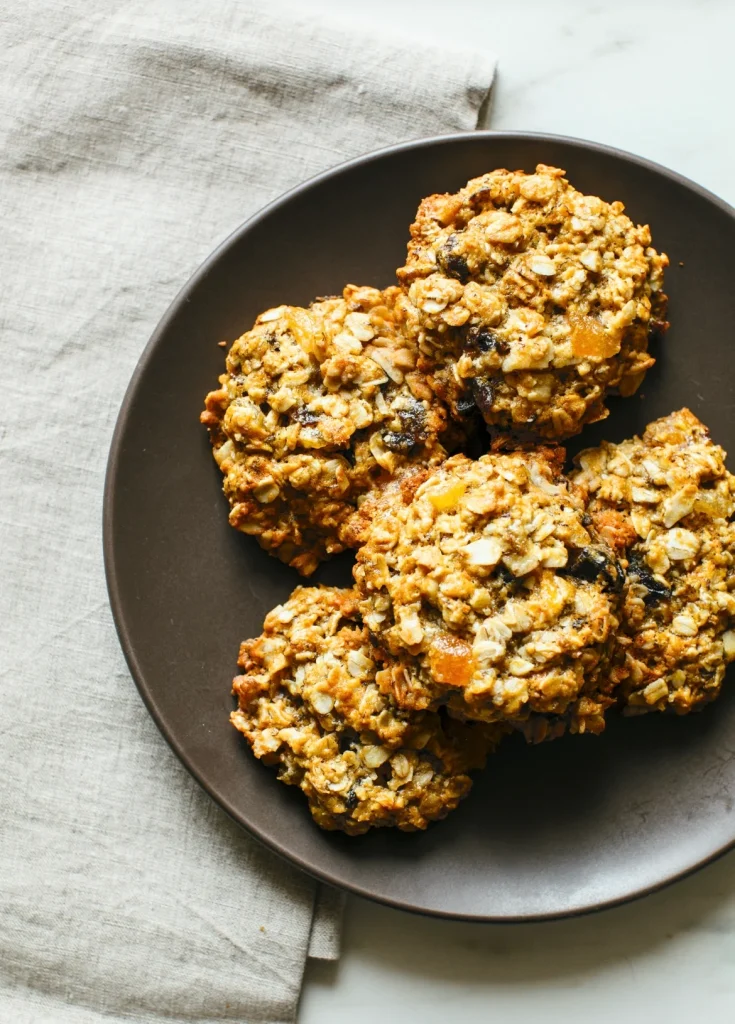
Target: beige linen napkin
[[133, 138]]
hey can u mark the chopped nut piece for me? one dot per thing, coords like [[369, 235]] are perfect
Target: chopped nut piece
[[485, 551], [655, 691]]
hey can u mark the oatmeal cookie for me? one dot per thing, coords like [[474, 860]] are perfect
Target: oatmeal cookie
[[319, 409], [534, 298], [494, 594], [665, 501], [309, 701]]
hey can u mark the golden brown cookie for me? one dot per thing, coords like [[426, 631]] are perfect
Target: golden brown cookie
[[309, 701], [320, 409], [494, 594], [532, 299], [665, 501]]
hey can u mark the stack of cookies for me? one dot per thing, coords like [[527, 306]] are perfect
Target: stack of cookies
[[492, 594]]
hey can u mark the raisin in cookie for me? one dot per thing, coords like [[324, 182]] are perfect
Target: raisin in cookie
[[532, 299], [493, 594], [309, 701], [665, 501]]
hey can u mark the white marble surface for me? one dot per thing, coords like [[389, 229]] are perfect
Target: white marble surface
[[656, 77]]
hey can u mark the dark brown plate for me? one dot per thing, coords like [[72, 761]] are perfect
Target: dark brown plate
[[547, 831]]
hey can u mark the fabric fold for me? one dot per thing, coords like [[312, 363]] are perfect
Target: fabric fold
[[133, 138]]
